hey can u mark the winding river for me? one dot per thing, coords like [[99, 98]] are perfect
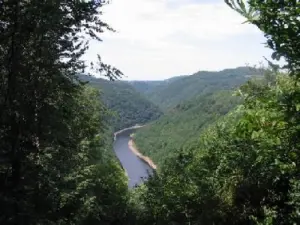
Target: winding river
[[137, 170]]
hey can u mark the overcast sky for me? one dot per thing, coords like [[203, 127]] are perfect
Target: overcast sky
[[158, 39]]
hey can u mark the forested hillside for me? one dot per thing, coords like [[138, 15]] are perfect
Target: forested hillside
[[245, 168], [184, 121], [149, 87], [182, 125], [145, 87], [128, 106], [176, 90], [57, 165]]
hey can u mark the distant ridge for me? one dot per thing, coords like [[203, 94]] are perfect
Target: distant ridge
[[168, 93], [130, 106]]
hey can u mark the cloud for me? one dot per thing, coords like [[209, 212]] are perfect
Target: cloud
[[162, 38]]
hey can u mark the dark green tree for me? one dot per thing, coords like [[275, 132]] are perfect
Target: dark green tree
[[244, 169], [41, 43]]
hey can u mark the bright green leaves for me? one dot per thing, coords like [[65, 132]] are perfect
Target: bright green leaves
[[280, 22], [244, 9], [240, 170], [244, 169], [163, 138]]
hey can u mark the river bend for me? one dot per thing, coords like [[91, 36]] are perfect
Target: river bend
[[136, 169]]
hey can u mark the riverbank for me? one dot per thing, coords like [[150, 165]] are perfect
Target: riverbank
[[137, 168], [135, 150], [128, 128]]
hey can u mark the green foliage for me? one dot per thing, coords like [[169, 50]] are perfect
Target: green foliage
[[149, 87], [146, 87], [279, 20], [130, 107], [93, 188], [57, 166], [54, 148], [244, 169], [179, 89], [166, 136]]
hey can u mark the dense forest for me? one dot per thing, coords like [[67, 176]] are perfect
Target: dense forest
[[184, 122], [244, 168], [57, 166], [128, 107], [169, 93], [178, 128], [238, 163], [149, 87]]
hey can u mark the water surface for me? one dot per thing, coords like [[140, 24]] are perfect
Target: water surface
[[136, 169]]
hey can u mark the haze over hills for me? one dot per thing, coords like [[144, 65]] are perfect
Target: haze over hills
[[145, 87], [190, 103], [140, 102], [182, 125], [169, 93], [130, 106], [209, 157], [148, 87], [175, 110]]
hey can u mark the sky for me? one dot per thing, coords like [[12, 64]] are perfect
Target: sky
[[159, 39]]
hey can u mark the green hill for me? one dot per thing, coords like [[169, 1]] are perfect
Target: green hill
[[145, 87], [149, 87], [176, 90], [164, 137], [130, 106], [191, 103]]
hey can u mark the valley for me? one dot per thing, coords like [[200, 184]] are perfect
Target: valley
[[175, 126], [171, 92], [201, 148], [127, 105]]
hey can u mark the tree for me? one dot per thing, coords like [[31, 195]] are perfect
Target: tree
[[41, 43], [279, 20], [244, 169]]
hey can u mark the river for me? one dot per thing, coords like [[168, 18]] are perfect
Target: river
[[136, 169]]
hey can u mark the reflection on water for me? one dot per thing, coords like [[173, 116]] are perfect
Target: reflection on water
[[136, 169]]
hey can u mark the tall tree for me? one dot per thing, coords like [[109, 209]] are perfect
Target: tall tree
[[279, 20], [41, 43]]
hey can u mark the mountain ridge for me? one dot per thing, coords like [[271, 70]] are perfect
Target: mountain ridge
[[130, 106], [168, 93]]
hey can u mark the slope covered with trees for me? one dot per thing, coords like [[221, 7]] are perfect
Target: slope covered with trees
[[128, 106], [166, 136], [149, 87], [145, 87], [179, 89], [244, 169], [55, 145]]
